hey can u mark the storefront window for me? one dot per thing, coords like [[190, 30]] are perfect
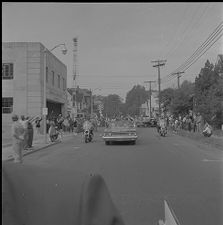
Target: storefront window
[[7, 71], [53, 78], [7, 105], [58, 81]]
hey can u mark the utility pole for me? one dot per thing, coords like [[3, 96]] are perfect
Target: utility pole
[[159, 63], [74, 84], [91, 102], [178, 78], [150, 95], [75, 42]]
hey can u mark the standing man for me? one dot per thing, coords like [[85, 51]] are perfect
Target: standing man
[[60, 120], [198, 122], [37, 122], [24, 123], [17, 139], [30, 133]]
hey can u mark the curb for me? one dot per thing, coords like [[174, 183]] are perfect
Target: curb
[[38, 149], [32, 151]]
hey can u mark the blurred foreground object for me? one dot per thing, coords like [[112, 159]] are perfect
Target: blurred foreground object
[[34, 195]]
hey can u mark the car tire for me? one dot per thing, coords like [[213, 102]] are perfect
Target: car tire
[[107, 142]]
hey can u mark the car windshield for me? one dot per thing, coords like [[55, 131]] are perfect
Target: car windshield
[[121, 123]]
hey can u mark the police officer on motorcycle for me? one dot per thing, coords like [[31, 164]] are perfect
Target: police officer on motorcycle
[[87, 125], [161, 123]]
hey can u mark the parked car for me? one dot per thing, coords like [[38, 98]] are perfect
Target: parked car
[[120, 131], [139, 123], [153, 122], [146, 121]]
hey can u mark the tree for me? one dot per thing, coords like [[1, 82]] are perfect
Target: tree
[[209, 94], [178, 101], [112, 105], [166, 97], [134, 99]]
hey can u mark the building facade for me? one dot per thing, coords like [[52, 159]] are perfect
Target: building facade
[[81, 100], [23, 81]]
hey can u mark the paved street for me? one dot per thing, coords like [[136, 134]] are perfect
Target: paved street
[[141, 176]]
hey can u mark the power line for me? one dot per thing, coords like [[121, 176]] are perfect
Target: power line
[[204, 47], [211, 37], [204, 52], [199, 56], [185, 31], [176, 33]]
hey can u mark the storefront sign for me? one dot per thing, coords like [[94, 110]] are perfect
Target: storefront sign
[[45, 111]]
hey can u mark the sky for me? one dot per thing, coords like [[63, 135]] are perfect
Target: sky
[[118, 41]]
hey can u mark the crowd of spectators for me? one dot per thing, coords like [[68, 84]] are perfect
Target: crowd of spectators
[[189, 122]]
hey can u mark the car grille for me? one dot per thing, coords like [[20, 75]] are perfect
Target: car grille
[[120, 133]]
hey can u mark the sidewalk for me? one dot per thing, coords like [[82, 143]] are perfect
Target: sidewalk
[[38, 144]]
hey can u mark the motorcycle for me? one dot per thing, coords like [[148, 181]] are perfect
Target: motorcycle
[[207, 134], [54, 137], [163, 131], [88, 136]]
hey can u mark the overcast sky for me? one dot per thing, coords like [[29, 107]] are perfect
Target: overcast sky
[[118, 41]]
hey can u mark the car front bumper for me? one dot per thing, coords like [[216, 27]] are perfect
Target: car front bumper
[[120, 138]]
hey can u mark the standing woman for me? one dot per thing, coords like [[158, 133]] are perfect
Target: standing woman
[[17, 139]]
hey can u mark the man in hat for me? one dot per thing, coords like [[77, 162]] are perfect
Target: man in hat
[[17, 139], [24, 123]]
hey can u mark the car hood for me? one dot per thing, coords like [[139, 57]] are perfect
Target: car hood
[[120, 129]]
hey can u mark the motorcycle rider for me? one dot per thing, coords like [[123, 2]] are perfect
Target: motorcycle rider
[[161, 123], [87, 125], [53, 133]]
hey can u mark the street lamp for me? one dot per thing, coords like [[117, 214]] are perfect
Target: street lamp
[[92, 99], [45, 110], [64, 49]]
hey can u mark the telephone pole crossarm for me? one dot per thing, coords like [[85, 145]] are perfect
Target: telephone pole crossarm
[[178, 77], [162, 64]]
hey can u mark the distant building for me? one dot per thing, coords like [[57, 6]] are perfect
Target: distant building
[[81, 99], [70, 108], [22, 81], [145, 108]]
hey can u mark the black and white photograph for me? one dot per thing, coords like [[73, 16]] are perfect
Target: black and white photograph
[[112, 113]]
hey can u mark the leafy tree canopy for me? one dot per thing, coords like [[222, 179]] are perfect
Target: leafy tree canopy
[[112, 105], [209, 94], [134, 99]]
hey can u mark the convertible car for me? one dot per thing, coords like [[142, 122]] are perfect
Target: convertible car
[[120, 131]]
